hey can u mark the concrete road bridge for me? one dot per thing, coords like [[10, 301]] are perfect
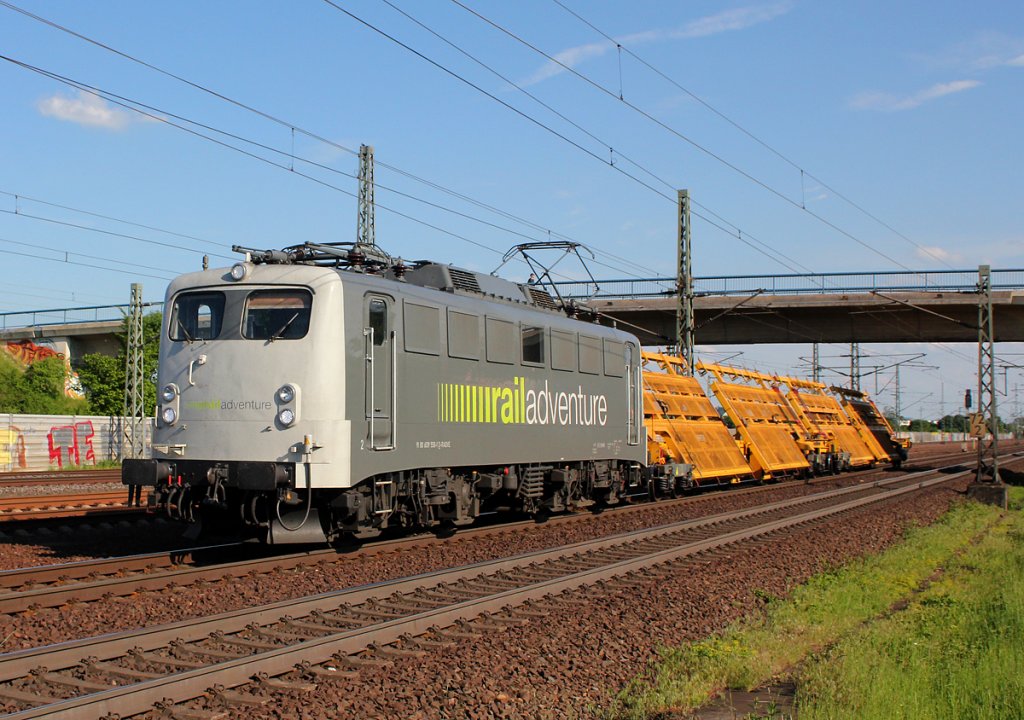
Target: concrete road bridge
[[925, 306], [891, 307]]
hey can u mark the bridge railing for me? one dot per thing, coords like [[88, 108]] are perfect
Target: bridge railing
[[64, 316], [796, 284]]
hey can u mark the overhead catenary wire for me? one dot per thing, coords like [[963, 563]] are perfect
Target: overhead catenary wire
[[293, 128], [20, 196], [675, 83], [110, 233], [161, 115], [5, 292], [749, 240], [68, 261], [673, 131], [790, 262], [556, 133], [155, 114]]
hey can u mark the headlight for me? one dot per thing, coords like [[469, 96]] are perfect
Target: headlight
[[239, 271], [286, 394], [168, 393], [168, 416], [286, 417]]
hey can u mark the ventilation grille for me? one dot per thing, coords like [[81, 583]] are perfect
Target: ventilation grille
[[540, 297], [463, 280]]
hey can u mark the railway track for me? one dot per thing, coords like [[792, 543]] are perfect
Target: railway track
[[295, 644], [85, 505], [56, 585], [61, 477], [45, 507]]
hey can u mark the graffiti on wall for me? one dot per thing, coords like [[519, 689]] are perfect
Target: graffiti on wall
[[71, 444], [50, 442], [13, 455], [27, 352]]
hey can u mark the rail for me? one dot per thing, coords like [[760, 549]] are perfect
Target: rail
[[126, 673]]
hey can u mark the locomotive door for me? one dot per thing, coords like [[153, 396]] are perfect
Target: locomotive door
[[380, 373], [635, 401]]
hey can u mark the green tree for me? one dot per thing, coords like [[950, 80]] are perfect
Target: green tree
[[37, 389], [11, 398], [954, 423], [102, 376]]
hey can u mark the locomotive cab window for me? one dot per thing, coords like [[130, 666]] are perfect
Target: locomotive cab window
[[378, 317], [197, 316], [276, 314], [533, 345]]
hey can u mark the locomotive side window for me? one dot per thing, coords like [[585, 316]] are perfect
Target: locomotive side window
[[378, 316], [422, 329], [533, 344], [501, 341], [563, 350], [463, 335], [590, 355], [614, 352], [197, 316], [276, 314]]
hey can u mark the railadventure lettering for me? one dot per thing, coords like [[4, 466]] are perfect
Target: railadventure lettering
[[229, 405], [519, 405]]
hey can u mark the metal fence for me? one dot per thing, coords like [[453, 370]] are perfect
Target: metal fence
[[64, 316], [968, 442], [55, 442], [796, 284]]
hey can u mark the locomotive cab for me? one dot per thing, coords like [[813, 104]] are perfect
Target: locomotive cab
[[245, 383]]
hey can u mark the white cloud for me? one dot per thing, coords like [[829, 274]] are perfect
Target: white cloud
[[86, 109], [937, 254], [737, 19], [727, 21], [567, 58], [891, 103], [983, 51]]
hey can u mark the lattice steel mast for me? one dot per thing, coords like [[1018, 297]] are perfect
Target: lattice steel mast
[[134, 397], [684, 284], [855, 365], [365, 232], [988, 459]]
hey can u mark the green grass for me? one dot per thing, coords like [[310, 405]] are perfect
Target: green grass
[[101, 465], [841, 608], [957, 651]]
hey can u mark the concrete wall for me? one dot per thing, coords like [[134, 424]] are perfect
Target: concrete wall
[[52, 442]]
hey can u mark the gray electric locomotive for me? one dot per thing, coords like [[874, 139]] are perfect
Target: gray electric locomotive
[[324, 390]]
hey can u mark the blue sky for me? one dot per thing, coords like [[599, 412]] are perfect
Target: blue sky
[[911, 110]]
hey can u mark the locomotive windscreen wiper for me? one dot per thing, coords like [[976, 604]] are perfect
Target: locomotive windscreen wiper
[[284, 328], [181, 325]]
